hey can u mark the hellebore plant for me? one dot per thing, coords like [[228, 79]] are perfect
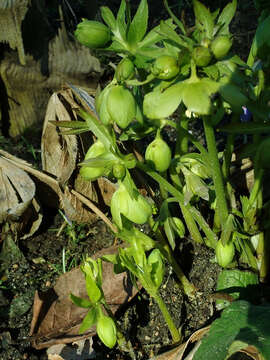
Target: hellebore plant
[[171, 77]]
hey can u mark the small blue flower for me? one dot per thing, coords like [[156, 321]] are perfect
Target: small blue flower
[[246, 116]]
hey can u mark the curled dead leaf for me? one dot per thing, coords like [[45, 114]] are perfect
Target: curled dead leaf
[[18, 203]]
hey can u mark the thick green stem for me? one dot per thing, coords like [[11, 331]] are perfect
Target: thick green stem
[[173, 329], [182, 139], [222, 207]]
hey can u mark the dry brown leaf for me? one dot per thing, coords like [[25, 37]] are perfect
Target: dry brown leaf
[[57, 320], [18, 205], [58, 152], [50, 192], [178, 352]]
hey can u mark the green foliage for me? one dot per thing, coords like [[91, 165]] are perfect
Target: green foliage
[[241, 322], [169, 77]]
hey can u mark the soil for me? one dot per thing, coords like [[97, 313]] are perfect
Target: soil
[[36, 263]]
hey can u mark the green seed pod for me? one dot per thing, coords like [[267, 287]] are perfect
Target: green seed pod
[[220, 46], [121, 106], [119, 171], [136, 209], [106, 331], [125, 70], [158, 154], [92, 173], [224, 254], [202, 56], [101, 105], [93, 34], [165, 67], [156, 262]]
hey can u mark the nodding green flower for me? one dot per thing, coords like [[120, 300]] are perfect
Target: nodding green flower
[[136, 208], [121, 106], [165, 67], [119, 171], [125, 70], [220, 46], [91, 173], [202, 56], [106, 331], [224, 253], [93, 34], [158, 154]]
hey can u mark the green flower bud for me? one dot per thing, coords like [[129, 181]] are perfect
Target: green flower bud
[[92, 173], [206, 42], [165, 67], [158, 154], [106, 331], [125, 70], [202, 56], [224, 254], [220, 46], [93, 34], [119, 171], [121, 106], [101, 105], [136, 208], [158, 268]]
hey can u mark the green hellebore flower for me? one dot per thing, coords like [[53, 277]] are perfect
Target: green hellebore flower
[[93, 34], [136, 208], [224, 254], [106, 331], [220, 46], [165, 67], [158, 154], [121, 106], [202, 56], [101, 105], [125, 70], [92, 173], [119, 171]]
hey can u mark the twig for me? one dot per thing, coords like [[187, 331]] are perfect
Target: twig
[[93, 207]]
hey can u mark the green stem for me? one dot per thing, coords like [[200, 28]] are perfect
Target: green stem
[[173, 329], [166, 251], [182, 139], [222, 207]]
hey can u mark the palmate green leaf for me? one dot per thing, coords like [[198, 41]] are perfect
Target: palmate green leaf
[[98, 129], [81, 302], [121, 21], [108, 17], [241, 321], [227, 14], [171, 34], [159, 105], [89, 320], [138, 26], [197, 95], [235, 283], [204, 19]]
